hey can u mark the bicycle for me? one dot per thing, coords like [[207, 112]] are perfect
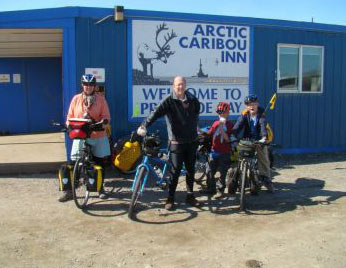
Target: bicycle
[[86, 176], [202, 159], [246, 173], [155, 163]]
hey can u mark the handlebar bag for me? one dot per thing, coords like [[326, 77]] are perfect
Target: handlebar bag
[[77, 130]]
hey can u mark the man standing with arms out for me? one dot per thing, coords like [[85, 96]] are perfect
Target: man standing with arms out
[[253, 122], [181, 111]]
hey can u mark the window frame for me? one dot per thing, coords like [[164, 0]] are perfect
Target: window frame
[[300, 69]]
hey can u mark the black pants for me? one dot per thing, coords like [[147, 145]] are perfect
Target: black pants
[[182, 153], [221, 163]]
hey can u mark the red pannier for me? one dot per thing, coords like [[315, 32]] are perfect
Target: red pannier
[[77, 127]]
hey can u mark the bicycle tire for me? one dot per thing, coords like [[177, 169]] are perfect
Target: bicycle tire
[[242, 188], [232, 180], [200, 168], [254, 183], [79, 188], [136, 192]]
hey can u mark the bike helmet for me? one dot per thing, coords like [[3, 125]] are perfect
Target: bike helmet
[[88, 79], [250, 99], [151, 146], [222, 107]]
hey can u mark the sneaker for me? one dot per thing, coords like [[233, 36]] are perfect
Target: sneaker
[[67, 195], [103, 194], [169, 203], [191, 200], [218, 195]]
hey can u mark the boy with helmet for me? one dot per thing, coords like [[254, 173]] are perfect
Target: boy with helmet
[[220, 151], [253, 123], [89, 104]]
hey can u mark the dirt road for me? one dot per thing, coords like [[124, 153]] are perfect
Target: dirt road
[[303, 224]]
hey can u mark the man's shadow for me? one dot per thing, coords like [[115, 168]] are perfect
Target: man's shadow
[[287, 197]]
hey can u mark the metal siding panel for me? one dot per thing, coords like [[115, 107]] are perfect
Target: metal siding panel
[[304, 120], [13, 104], [43, 81]]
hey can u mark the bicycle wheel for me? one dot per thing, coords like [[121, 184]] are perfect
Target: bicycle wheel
[[242, 188], [200, 167], [79, 188], [254, 183], [232, 180], [136, 191]]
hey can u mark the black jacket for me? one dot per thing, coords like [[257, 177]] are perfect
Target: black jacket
[[243, 123], [181, 119]]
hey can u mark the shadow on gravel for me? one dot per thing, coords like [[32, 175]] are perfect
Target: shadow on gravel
[[288, 161], [149, 209], [289, 196]]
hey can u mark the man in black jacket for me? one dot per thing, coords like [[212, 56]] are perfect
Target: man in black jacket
[[253, 122], [181, 110]]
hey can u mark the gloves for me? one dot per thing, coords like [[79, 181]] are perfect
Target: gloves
[[263, 140], [142, 131], [222, 120]]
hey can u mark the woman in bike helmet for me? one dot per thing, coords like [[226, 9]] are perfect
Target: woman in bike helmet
[[88, 104], [220, 151]]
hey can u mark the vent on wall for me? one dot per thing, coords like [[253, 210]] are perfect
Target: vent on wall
[[30, 43]]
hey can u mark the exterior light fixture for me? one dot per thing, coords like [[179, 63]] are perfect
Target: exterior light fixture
[[118, 13]]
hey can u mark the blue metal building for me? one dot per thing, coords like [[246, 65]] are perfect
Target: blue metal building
[[35, 88]]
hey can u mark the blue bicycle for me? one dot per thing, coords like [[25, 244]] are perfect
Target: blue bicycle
[[155, 163]]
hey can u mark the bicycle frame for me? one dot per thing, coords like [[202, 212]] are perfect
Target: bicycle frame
[[147, 164]]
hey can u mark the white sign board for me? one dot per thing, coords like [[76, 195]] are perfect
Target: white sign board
[[99, 73], [5, 78], [213, 58], [16, 78]]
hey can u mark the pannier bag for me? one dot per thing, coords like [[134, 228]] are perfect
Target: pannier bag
[[65, 176], [94, 178], [128, 155], [77, 127], [76, 130]]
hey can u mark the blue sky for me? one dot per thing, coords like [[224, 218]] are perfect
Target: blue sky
[[322, 11]]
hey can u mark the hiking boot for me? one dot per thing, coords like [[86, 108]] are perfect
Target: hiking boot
[[191, 200], [67, 195], [218, 194], [169, 203], [103, 195]]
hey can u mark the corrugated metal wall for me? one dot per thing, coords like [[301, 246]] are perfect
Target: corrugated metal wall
[[307, 122]]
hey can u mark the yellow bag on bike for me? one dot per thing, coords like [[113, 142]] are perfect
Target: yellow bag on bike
[[129, 154], [94, 178], [270, 133], [64, 177]]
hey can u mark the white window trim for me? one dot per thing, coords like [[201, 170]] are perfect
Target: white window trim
[[300, 71]]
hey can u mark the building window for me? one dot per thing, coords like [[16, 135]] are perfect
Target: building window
[[300, 69]]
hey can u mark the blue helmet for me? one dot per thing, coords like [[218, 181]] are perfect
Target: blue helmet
[[250, 99], [88, 79]]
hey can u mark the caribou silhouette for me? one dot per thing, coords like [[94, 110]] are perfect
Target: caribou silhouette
[[150, 56]]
